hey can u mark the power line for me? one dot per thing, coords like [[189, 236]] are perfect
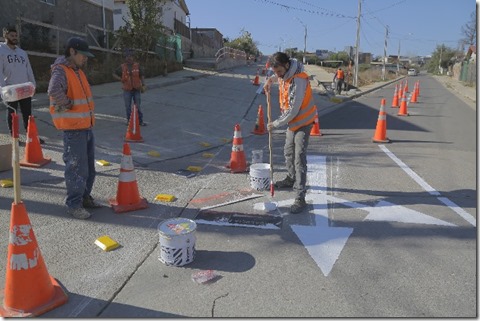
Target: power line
[[286, 7]]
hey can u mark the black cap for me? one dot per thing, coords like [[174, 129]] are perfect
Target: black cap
[[79, 45]]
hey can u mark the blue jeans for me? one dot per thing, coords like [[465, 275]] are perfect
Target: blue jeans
[[295, 151], [79, 158], [134, 95]]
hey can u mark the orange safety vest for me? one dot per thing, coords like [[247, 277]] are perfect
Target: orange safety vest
[[131, 80], [308, 110], [81, 115], [340, 74]]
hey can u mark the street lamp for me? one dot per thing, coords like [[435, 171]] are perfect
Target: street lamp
[[305, 40]]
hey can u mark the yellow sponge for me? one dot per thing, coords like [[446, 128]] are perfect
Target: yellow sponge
[[165, 198], [208, 155], [204, 144], [106, 243], [194, 168], [6, 183], [102, 162]]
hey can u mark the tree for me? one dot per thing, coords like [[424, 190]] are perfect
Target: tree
[[143, 29], [442, 57], [244, 42], [469, 31]]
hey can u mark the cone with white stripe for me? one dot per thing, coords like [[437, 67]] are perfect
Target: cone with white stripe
[[238, 163], [133, 134], [128, 198], [381, 130], [33, 151]]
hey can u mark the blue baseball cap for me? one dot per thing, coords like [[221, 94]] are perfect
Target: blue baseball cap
[[80, 46]]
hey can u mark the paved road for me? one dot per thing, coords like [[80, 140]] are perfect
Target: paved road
[[382, 268]]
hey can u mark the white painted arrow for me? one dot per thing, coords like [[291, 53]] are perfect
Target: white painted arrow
[[323, 243]]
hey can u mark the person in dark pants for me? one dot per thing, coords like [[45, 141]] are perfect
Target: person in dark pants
[[15, 69], [72, 110], [133, 84], [298, 113]]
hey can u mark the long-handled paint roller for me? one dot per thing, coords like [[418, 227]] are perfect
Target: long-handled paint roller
[[270, 206]]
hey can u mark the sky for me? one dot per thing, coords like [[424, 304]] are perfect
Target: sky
[[417, 27]]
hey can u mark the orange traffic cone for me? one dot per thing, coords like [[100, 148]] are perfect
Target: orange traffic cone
[[395, 98], [128, 198], [405, 89], [260, 123], [381, 129], [29, 289], [256, 81], [403, 106], [413, 98], [238, 163], [316, 127], [418, 88], [400, 91], [33, 151], [133, 131]]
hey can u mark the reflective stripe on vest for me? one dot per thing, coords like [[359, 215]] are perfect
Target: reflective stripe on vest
[[80, 116], [131, 80], [308, 110]]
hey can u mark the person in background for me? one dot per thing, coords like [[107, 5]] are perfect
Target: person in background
[[72, 111], [298, 113], [133, 84], [339, 78], [15, 69]]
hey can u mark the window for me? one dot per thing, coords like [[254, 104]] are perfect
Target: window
[[50, 2]]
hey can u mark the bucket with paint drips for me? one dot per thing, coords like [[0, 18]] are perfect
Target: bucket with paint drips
[[177, 241]]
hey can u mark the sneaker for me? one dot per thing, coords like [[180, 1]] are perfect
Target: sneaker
[[143, 124], [89, 202], [286, 183], [79, 213], [41, 141], [298, 206]]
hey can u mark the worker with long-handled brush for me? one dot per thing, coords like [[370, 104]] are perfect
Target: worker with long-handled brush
[[298, 113]]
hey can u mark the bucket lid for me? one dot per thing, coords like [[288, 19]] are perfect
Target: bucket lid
[[177, 226]]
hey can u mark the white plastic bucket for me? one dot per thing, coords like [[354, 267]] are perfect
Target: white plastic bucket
[[177, 241], [260, 176], [257, 156]]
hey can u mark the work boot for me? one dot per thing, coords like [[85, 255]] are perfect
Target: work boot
[[298, 206], [89, 202], [286, 183], [79, 213]]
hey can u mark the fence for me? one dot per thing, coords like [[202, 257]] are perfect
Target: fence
[[468, 72]]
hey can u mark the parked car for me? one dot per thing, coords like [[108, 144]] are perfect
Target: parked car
[[412, 72]]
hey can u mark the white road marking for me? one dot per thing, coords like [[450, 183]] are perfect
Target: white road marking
[[454, 207]]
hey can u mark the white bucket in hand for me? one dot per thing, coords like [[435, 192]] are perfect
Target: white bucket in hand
[[177, 241], [257, 156], [260, 176]]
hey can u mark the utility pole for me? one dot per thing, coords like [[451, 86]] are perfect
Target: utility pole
[[440, 70], [305, 47], [385, 54], [357, 45], [398, 58]]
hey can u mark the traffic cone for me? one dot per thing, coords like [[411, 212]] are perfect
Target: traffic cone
[[395, 98], [260, 123], [128, 198], [403, 106], [381, 129], [256, 81], [413, 98], [29, 289], [418, 88], [238, 163], [405, 89], [400, 91], [316, 127], [133, 131], [33, 151]]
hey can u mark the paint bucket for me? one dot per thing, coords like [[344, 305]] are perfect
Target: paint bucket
[[260, 176], [257, 156], [177, 241]]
